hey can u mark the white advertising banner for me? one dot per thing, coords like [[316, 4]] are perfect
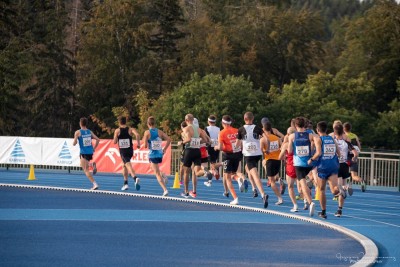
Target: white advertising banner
[[60, 152], [20, 150]]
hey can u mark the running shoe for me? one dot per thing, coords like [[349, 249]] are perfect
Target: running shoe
[[298, 197], [255, 193], [350, 190], [246, 186], [241, 184], [335, 198], [265, 200], [294, 209], [165, 193], [185, 195], [268, 183], [125, 187], [192, 194], [94, 168], [280, 202], [323, 216], [137, 183], [234, 202], [226, 194], [94, 187], [306, 206], [282, 186], [363, 186], [342, 192], [338, 213], [216, 175], [312, 209], [209, 176], [208, 183]]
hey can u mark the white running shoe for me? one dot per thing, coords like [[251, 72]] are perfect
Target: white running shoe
[[241, 184], [294, 209], [312, 209], [137, 183], [95, 186], [165, 193], [235, 201], [280, 202], [125, 187], [208, 183]]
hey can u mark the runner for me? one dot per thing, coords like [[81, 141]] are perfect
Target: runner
[[203, 152], [213, 155], [123, 137], [153, 141], [344, 148], [84, 136], [354, 164], [290, 170], [249, 137], [193, 138], [327, 163], [231, 155], [301, 145], [270, 145]]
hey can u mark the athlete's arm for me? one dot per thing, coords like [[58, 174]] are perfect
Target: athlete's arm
[[318, 151], [164, 137], [290, 143], [204, 137], [146, 139], [116, 134], [97, 140], [278, 133], [135, 132], [264, 144], [76, 136], [283, 151], [187, 134]]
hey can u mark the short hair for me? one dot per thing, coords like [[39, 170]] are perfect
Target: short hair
[[227, 118], [267, 126], [336, 122], [338, 129], [83, 121], [183, 124], [291, 130], [189, 117], [347, 126], [212, 118], [151, 121], [322, 126], [249, 115], [122, 120], [300, 122]]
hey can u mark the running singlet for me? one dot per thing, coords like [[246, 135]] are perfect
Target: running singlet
[[85, 142], [301, 149], [155, 144], [212, 132], [328, 161], [250, 136], [124, 140], [195, 140], [343, 149], [274, 148], [228, 138]]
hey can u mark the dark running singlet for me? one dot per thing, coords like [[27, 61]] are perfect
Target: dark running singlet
[[125, 141]]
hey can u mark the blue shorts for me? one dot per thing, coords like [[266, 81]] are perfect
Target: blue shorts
[[326, 174], [155, 160]]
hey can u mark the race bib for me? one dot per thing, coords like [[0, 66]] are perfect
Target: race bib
[[195, 142], [302, 151], [87, 141], [214, 142], [273, 146], [329, 150], [251, 147], [156, 145], [123, 143]]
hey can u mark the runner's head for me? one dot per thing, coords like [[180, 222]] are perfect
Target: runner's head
[[189, 118], [300, 122], [347, 127], [336, 122], [83, 122], [267, 126], [226, 120], [248, 117], [151, 121], [338, 129], [291, 130], [212, 119], [183, 124], [122, 120], [322, 127]]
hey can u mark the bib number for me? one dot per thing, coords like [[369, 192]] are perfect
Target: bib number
[[329, 150], [195, 142], [87, 141], [156, 145], [123, 143], [273, 146], [251, 147], [235, 148], [302, 151], [214, 142]]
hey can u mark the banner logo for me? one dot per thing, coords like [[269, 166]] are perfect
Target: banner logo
[[110, 153], [17, 154], [65, 155]]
